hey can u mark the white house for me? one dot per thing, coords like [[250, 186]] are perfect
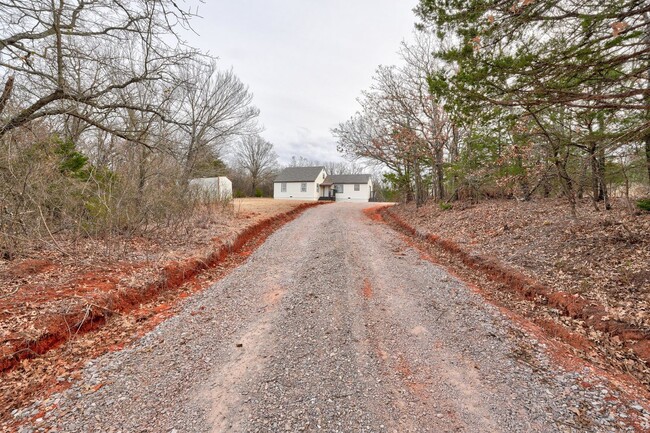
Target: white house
[[299, 183], [348, 187], [215, 188], [313, 183]]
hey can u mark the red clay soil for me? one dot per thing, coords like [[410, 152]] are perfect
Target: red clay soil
[[104, 299], [366, 289], [584, 323], [373, 212]]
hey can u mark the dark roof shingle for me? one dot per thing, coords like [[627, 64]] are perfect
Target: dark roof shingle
[[299, 174], [346, 178]]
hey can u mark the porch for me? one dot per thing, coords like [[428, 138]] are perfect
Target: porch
[[327, 191]]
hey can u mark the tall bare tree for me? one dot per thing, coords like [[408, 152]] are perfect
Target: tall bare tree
[[342, 167], [401, 124], [257, 158], [215, 108]]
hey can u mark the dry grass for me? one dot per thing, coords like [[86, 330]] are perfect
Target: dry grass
[[49, 279], [263, 206]]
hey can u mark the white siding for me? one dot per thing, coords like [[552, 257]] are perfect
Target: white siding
[[293, 189], [349, 194]]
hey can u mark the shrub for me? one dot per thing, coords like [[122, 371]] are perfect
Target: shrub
[[643, 204], [72, 162], [50, 191], [445, 206]]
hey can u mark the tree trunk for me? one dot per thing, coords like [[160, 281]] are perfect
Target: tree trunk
[[142, 175], [190, 158], [647, 153], [524, 184], [6, 93], [600, 157], [546, 184], [595, 176], [565, 181], [440, 174], [627, 183], [420, 193], [647, 98], [602, 190], [409, 196], [582, 180], [453, 157]]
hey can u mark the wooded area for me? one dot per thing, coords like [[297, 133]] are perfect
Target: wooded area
[[514, 99], [105, 114]]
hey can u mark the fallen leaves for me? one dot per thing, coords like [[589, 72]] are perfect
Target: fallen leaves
[[476, 43], [602, 257]]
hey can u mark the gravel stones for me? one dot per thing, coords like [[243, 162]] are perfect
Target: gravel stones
[[336, 325]]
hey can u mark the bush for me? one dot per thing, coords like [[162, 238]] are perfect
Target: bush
[[644, 204], [445, 206], [51, 192], [72, 163], [258, 192]]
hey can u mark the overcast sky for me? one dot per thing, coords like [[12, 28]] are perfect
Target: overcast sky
[[306, 61]]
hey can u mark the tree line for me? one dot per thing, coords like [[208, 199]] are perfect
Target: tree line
[[105, 113], [513, 99]]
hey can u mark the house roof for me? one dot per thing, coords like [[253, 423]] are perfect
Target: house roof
[[299, 174], [346, 178]]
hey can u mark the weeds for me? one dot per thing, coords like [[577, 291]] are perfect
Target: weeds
[[52, 196], [644, 204]]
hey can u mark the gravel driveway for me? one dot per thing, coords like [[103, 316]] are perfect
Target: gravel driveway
[[336, 325]]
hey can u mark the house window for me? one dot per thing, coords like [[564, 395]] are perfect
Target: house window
[[339, 189], [303, 187], [283, 187], [357, 187]]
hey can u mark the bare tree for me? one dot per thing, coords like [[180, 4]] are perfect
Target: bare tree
[[257, 157], [402, 125], [215, 107], [342, 167], [63, 58], [301, 161], [107, 85]]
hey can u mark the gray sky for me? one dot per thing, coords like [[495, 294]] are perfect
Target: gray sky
[[305, 60]]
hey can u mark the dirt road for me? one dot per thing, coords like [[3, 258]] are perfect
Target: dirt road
[[336, 325]]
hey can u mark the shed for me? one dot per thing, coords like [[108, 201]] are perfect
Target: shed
[[216, 188]]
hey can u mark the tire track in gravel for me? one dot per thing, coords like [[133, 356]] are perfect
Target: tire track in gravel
[[399, 333], [336, 325], [243, 365], [314, 380], [370, 341]]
